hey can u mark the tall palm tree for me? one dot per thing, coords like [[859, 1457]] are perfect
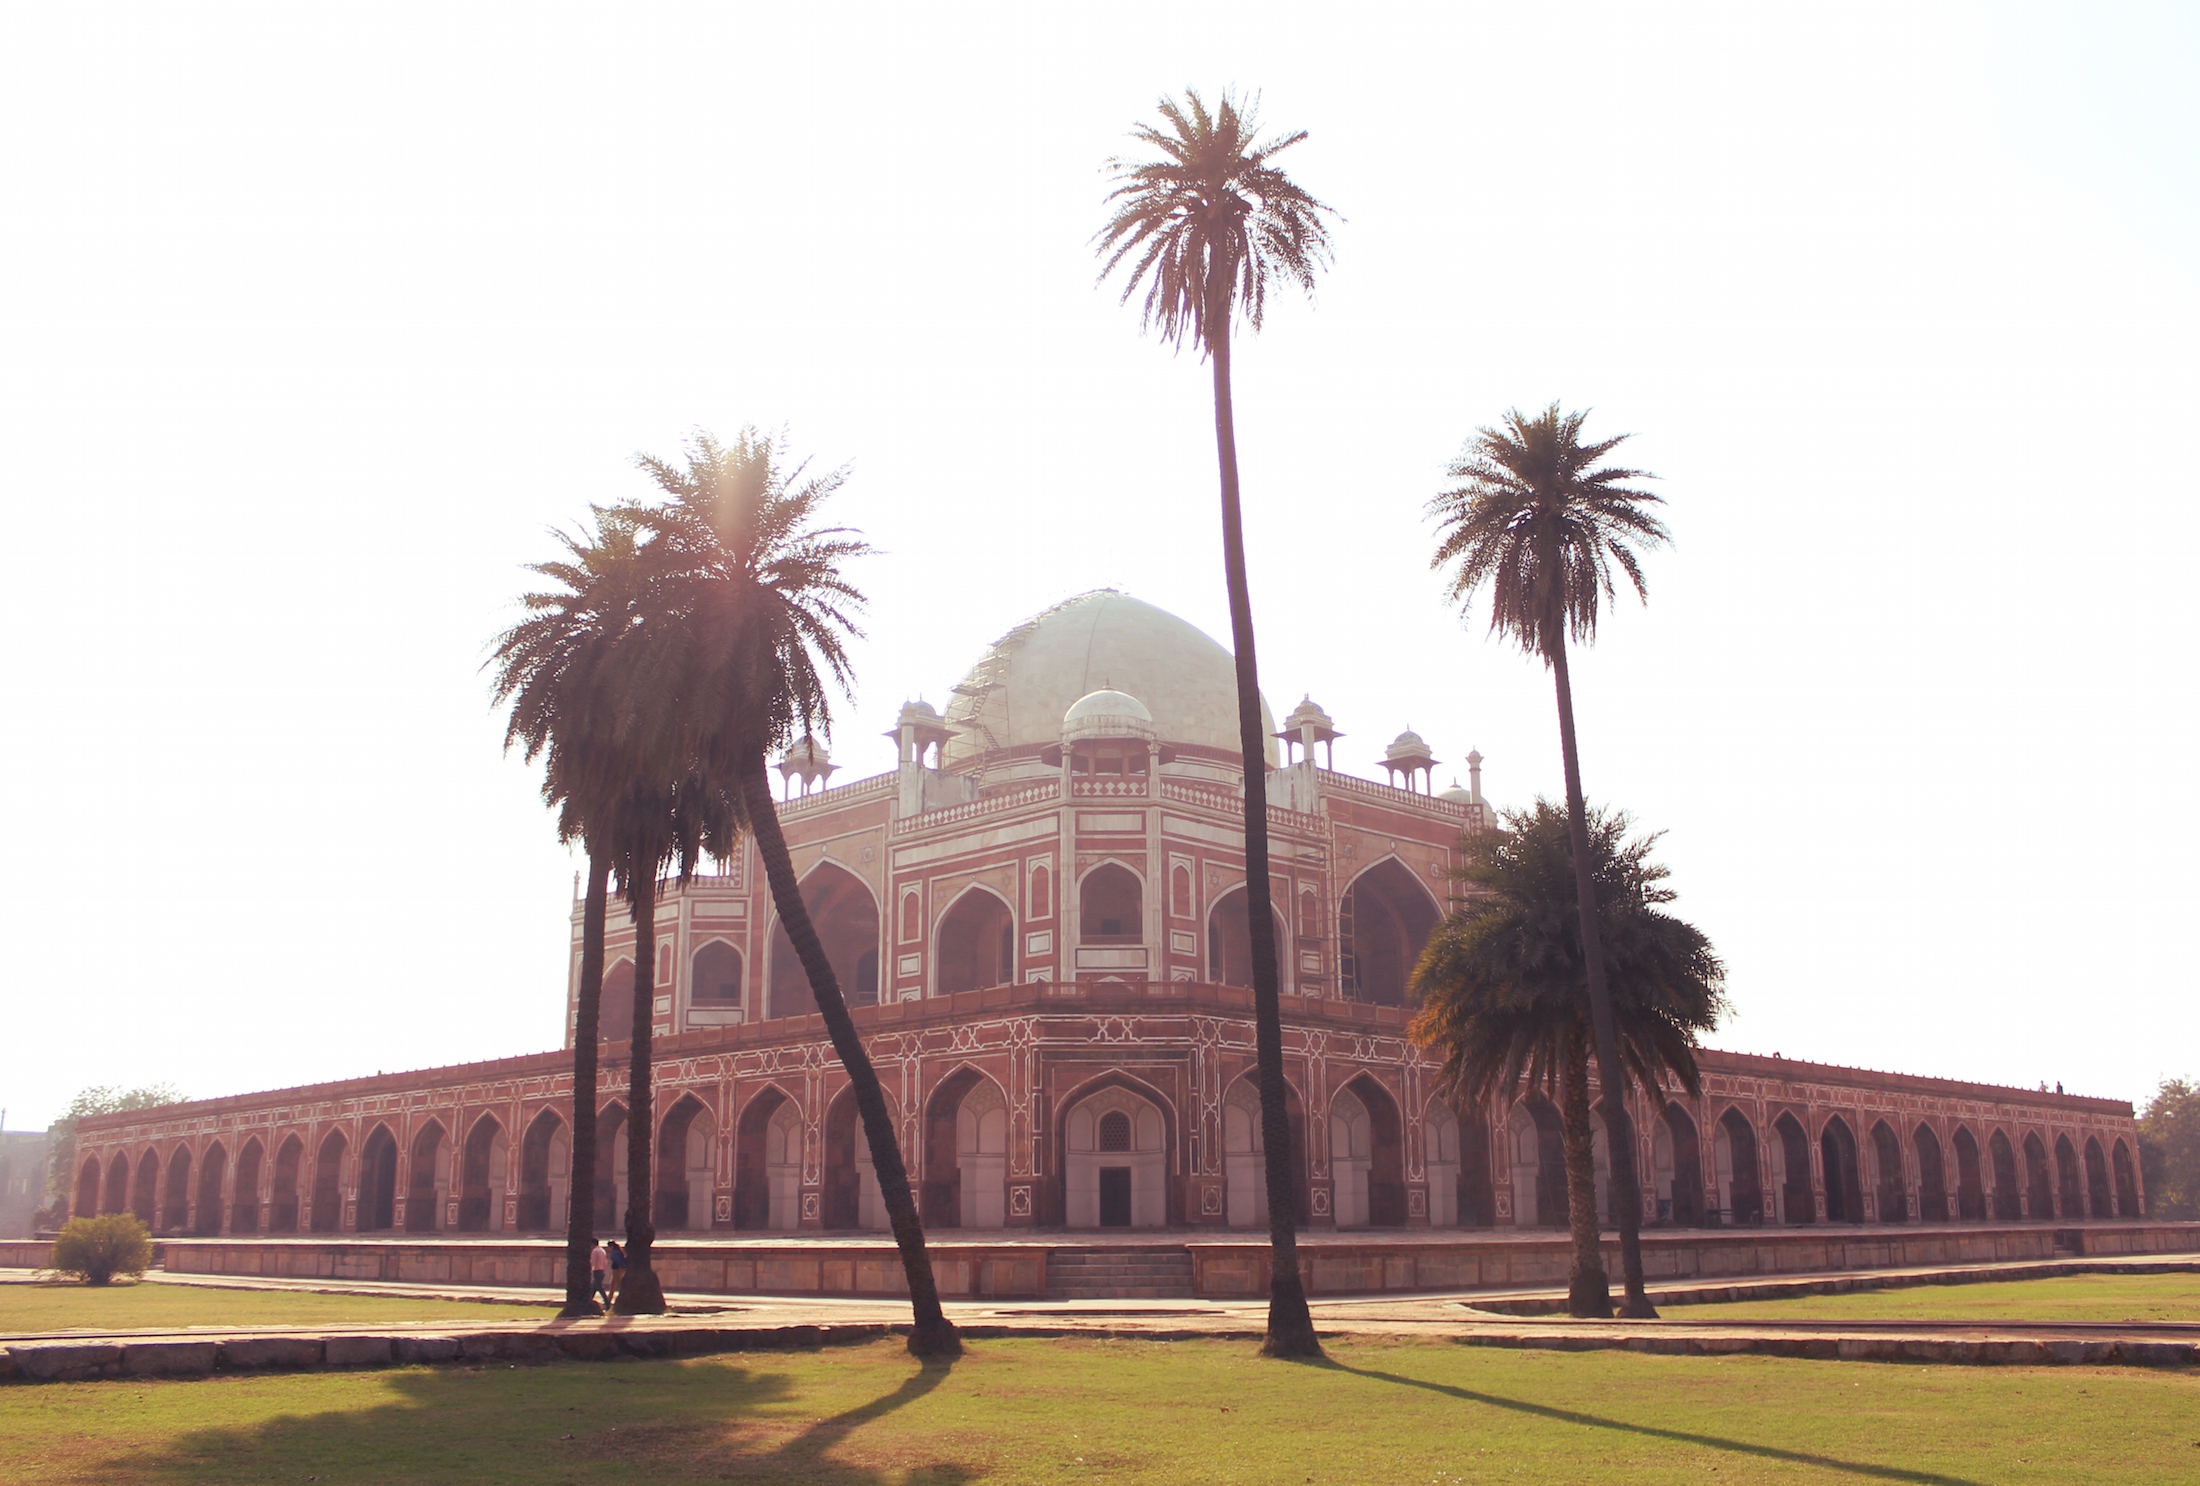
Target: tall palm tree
[[1539, 519], [551, 668], [763, 613], [1207, 228], [1503, 989]]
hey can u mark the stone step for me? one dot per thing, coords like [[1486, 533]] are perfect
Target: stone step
[[1099, 1273]]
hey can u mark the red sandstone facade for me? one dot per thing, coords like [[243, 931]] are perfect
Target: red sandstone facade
[[1040, 916]]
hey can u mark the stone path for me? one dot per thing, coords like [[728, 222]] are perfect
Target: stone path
[[703, 1324]]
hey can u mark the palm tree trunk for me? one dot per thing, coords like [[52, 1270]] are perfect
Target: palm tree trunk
[[1618, 1130], [1589, 1292], [640, 1293], [931, 1334], [1290, 1325], [580, 1202]]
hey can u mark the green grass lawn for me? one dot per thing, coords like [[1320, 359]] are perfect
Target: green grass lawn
[[122, 1306], [1124, 1411], [2078, 1297]]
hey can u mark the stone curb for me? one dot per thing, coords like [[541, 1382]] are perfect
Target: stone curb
[[1748, 1288], [68, 1362]]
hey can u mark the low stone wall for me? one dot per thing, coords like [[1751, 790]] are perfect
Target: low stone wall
[[1007, 1271], [37, 1253], [1239, 1269]]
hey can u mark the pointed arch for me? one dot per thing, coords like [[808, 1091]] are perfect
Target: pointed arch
[[2127, 1187], [767, 1154], [1970, 1177], [2008, 1186], [1140, 1195], [377, 1209], [1891, 1191], [2039, 1178], [1111, 901], [428, 1183], [284, 1199], [2069, 1182], [1734, 1164], [975, 944], [1366, 1155], [1676, 1158], [1383, 924], [1793, 1201], [244, 1187], [1537, 1154], [965, 1172], [1230, 940], [845, 913], [611, 1158], [1245, 1152], [484, 1171], [1932, 1176], [145, 1189], [851, 1199], [328, 1182], [1844, 1180], [545, 1173], [2100, 1201], [715, 974], [685, 1140], [87, 1188], [213, 1169], [615, 1007]]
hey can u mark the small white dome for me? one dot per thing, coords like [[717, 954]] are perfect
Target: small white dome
[[1408, 744], [1457, 792], [1107, 714]]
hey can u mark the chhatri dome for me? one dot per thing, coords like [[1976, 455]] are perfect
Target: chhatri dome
[[1098, 651]]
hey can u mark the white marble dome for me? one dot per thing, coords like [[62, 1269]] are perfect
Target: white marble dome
[[1018, 694], [1106, 714]]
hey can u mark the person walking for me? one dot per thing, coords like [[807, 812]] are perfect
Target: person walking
[[599, 1270], [618, 1272]]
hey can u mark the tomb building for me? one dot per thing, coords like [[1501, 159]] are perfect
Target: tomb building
[[1040, 917]]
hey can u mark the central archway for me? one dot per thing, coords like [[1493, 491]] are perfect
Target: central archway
[[545, 1174], [846, 919], [1793, 1202], [1676, 1156], [430, 1184], [244, 1191], [213, 1166], [483, 1173], [2008, 1189], [1734, 1153], [377, 1181], [328, 1201], [1245, 1155], [1932, 1177], [1844, 1183], [282, 1214], [1970, 1183], [1115, 1167], [683, 1187], [1383, 925], [767, 1154], [1892, 1189], [851, 1197]]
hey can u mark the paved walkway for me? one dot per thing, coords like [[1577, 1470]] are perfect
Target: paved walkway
[[701, 1324]]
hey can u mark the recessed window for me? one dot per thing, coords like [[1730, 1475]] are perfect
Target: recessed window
[[1115, 1131]]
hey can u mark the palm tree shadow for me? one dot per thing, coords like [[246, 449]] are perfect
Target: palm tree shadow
[[1678, 1436], [808, 1447]]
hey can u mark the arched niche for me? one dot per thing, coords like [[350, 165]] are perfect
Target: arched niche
[[175, 1199], [1383, 924], [1366, 1157], [213, 1167], [1245, 1154], [852, 1199], [1230, 941], [846, 919], [2069, 1182], [1734, 1158], [428, 1186], [615, 1009], [1844, 1180], [118, 1185], [1970, 1177], [2039, 1178], [2127, 1186], [976, 943], [484, 1168], [1676, 1158], [145, 1189], [611, 1167], [1892, 1189], [328, 1185], [1115, 1167], [767, 1177], [283, 1200], [1932, 1176], [2100, 1201], [966, 1152], [545, 1174], [377, 1211], [87, 1188], [2008, 1186], [1111, 906], [682, 1190], [1537, 1153], [1793, 1204], [244, 1189], [714, 975]]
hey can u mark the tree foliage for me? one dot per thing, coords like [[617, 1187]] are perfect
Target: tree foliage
[[2169, 1150], [98, 1100], [97, 1249]]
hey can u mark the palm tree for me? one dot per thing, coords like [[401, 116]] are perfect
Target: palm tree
[[551, 668], [1539, 519], [763, 613], [1207, 228], [1502, 988]]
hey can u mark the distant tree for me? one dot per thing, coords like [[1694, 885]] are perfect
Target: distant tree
[[1207, 225], [61, 1134], [1504, 996], [95, 1250], [1538, 519], [755, 610], [2169, 1150]]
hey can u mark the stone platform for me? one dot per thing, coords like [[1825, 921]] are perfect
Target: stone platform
[[993, 1265]]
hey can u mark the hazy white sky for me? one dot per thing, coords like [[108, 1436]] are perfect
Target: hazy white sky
[[314, 319]]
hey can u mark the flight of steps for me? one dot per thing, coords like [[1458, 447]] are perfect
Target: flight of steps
[[1119, 1273]]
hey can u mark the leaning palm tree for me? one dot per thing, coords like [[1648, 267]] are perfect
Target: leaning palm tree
[[763, 613], [552, 669], [1503, 989], [1542, 522], [1207, 228]]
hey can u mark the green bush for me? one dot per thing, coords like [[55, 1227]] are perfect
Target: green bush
[[98, 1249]]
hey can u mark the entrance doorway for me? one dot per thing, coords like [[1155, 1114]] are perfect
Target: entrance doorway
[[1115, 1197]]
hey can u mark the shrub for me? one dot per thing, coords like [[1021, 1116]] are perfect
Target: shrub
[[100, 1248]]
